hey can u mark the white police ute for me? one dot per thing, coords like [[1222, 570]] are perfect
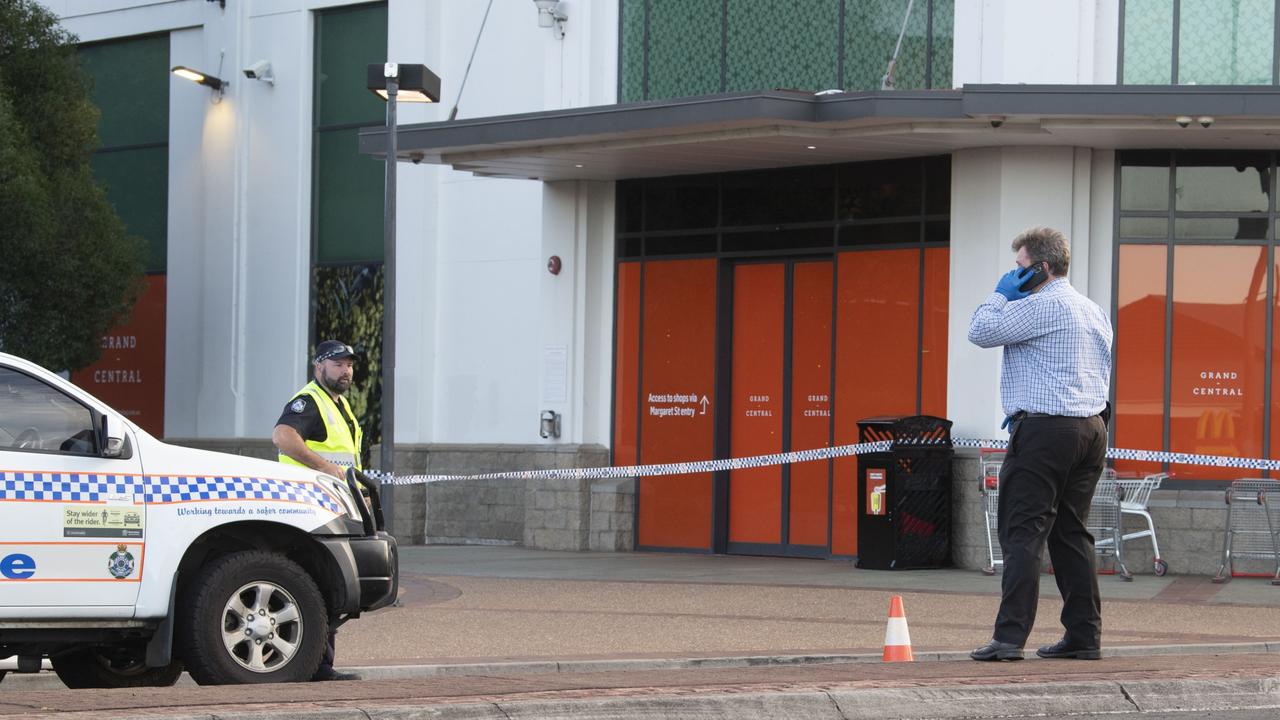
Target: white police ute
[[124, 559]]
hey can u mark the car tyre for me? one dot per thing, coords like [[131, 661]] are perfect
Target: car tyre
[[102, 668], [252, 617]]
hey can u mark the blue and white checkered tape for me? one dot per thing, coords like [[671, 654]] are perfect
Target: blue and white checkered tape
[[93, 487], [684, 468]]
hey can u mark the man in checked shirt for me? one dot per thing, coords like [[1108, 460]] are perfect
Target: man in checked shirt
[[1054, 384]]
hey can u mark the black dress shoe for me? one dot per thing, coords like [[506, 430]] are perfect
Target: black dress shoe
[[324, 674], [996, 650], [1064, 649]]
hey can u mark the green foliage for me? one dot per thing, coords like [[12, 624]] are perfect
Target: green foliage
[[348, 307], [70, 271]]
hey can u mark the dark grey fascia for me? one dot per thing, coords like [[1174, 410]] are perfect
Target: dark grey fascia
[[656, 118]]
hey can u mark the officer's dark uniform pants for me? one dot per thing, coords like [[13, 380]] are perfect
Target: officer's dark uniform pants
[[1046, 484]]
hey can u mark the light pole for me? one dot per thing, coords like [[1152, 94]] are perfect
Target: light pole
[[410, 83]]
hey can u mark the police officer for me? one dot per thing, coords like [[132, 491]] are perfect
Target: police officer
[[318, 430]]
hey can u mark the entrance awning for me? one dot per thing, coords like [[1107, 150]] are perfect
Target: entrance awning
[[719, 133]]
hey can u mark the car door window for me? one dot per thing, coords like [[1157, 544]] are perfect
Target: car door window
[[39, 418]]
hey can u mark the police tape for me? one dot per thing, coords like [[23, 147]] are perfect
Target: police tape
[[799, 456]]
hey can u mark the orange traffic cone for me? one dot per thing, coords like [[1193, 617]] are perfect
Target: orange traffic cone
[[897, 639]]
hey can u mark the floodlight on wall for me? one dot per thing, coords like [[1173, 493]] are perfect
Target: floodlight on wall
[[210, 81], [414, 83], [552, 14]]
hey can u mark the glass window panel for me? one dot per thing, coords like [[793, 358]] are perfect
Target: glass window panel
[[630, 247], [680, 245], [871, 30], [630, 198], [1250, 228], [1225, 42], [1148, 42], [37, 417], [681, 202], [1223, 182], [684, 47], [137, 185], [1139, 351], [779, 196], [880, 234], [348, 40], [131, 87], [782, 45], [940, 49], [349, 200], [777, 240], [1142, 227], [937, 180], [1144, 187], [1217, 360], [889, 188], [632, 63], [937, 231]]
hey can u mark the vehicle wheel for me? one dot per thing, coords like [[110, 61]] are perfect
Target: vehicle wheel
[[111, 668], [252, 617], [1162, 567]]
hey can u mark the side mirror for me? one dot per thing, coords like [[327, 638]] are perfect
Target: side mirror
[[112, 436]]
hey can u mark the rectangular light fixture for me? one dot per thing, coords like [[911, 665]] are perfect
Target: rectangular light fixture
[[196, 76], [416, 83]]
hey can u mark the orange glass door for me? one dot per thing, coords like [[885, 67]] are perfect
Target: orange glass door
[[780, 401]]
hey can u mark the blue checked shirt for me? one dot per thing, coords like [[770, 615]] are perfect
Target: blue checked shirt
[[1057, 350]]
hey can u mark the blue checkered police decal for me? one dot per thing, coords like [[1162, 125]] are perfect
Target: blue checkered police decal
[[91, 487]]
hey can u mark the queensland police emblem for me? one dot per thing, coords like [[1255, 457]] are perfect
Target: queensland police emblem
[[298, 405], [120, 564]]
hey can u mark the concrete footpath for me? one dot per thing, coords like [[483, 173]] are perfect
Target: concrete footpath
[[505, 632]]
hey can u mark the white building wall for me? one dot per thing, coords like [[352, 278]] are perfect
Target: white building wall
[[1035, 42], [476, 307]]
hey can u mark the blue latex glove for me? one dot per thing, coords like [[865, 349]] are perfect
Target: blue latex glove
[[1009, 282]]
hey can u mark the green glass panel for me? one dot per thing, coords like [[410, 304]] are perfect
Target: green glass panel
[[631, 71], [1225, 42], [1148, 42], [1144, 187], [137, 184], [348, 40], [1144, 227], [871, 29], [1238, 187], [131, 88], [782, 45], [349, 200], [684, 47], [1244, 228], [944, 26]]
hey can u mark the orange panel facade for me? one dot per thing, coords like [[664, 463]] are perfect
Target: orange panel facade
[[1139, 353], [810, 401], [627, 370], [755, 424], [677, 374]]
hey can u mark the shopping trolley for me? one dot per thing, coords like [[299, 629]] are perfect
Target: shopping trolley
[[1253, 525], [1105, 522], [1135, 493], [989, 484]]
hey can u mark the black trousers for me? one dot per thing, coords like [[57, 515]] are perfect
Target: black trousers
[[1046, 484]]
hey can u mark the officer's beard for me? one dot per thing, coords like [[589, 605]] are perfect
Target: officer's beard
[[336, 385]]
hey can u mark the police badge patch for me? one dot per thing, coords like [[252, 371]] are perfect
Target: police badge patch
[[298, 405], [120, 564]]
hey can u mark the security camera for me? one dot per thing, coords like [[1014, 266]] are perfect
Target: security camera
[[1183, 120], [260, 70], [997, 121], [1205, 121], [551, 13]]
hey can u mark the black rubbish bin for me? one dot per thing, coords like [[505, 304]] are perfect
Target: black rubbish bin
[[904, 494]]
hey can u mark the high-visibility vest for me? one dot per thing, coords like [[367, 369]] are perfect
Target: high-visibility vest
[[338, 445]]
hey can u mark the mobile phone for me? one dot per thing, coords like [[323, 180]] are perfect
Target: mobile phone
[[1038, 276]]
